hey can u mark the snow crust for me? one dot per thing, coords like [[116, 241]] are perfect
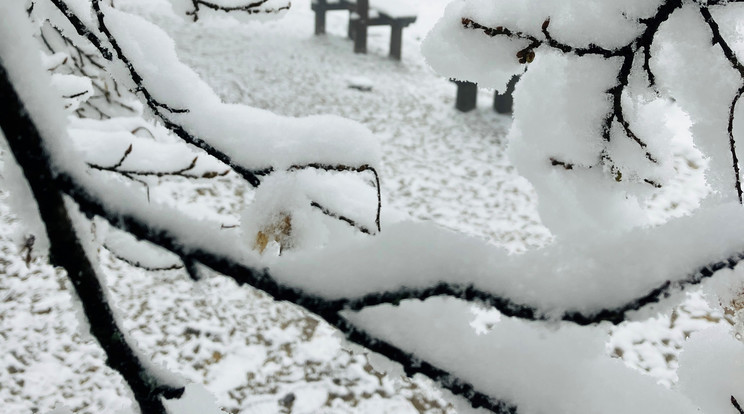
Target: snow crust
[[195, 400], [575, 202], [395, 8], [712, 370], [560, 370], [45, 107], [144, 254], [580, 23]]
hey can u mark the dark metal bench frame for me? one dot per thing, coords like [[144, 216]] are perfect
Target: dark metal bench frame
[[467, 96], [359, 21]]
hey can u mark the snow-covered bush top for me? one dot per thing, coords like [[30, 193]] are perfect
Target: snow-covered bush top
[[606, 86]]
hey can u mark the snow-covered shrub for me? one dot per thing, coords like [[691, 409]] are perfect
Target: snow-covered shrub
[[606, 87]]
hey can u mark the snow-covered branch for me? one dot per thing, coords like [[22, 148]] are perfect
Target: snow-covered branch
[[240, 6], [66, 250], [619, 64], [627, 53]]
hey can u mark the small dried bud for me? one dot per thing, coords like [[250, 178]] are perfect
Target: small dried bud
[[525, 56], [279, 231], [530, 56]]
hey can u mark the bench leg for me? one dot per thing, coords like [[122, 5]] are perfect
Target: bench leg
[[360, 38], [467, 95], [503, 103], [320, 22], [396, 37], [360, 26]]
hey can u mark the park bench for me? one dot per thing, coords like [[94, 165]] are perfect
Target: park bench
[[394, 13], [467, 96]]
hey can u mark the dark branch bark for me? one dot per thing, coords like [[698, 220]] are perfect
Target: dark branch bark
[[736, 405], [345, 219], [328, 310], [342, 168], [250, 8], [732, 143], [647, 68], [566, 165], [736, 65], [182, 172], [81, 28], [262, 280], [80, 62], [535, 42]]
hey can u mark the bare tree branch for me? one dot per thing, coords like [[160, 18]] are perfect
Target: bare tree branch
[[736, 64], [181, 172], [66, 251], [736, 405], [250, 8]]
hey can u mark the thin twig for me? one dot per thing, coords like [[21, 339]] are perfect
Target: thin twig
[[736, 65], [251, 8], [736, 405]]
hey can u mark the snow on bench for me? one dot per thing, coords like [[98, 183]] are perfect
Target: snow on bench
[[394, 13]]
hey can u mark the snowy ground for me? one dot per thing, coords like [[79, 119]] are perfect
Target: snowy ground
[[255, 355]]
